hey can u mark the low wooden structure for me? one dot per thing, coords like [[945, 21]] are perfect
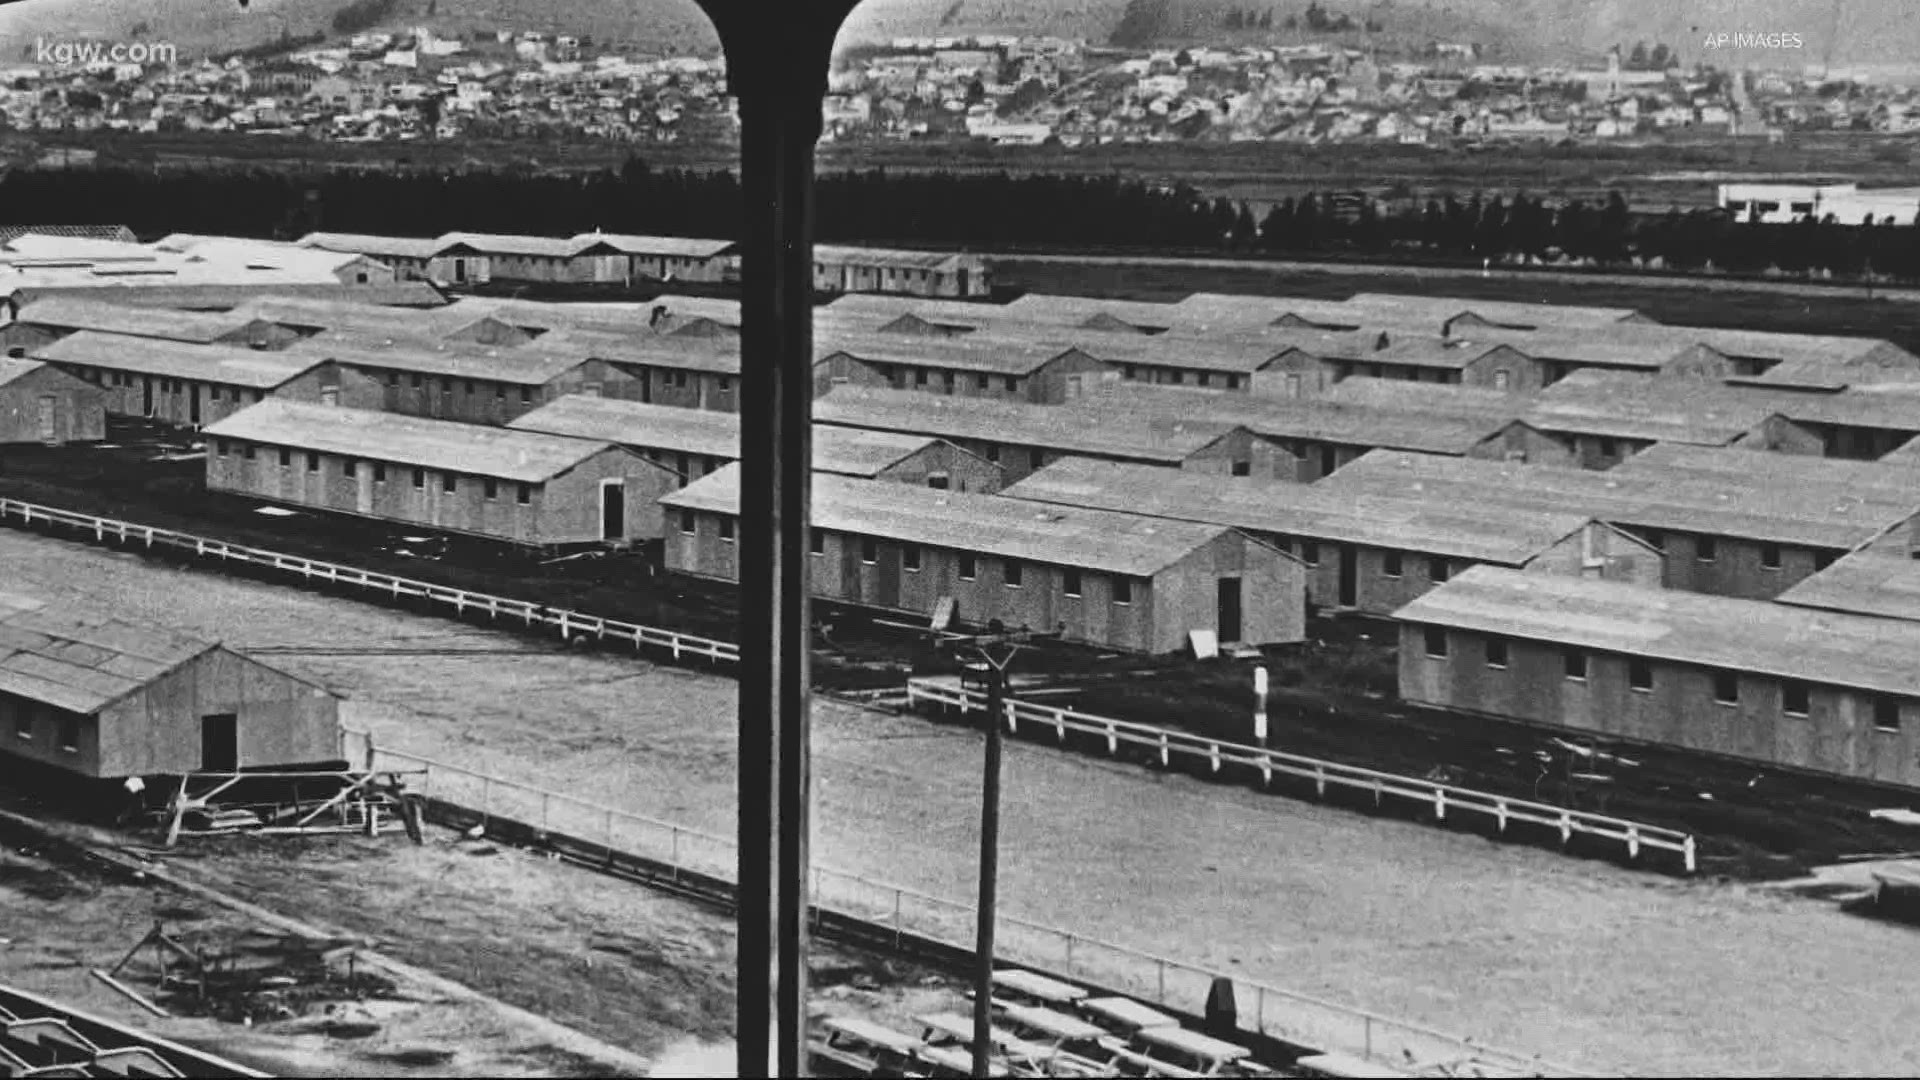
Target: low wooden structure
[[41, 404]]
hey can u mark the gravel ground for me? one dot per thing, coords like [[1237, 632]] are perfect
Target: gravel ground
[[1579, 961]]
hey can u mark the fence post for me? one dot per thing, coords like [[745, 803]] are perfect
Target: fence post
[[1213, 755], [1439, 804], [1266, 769], [1163, 748], [1566, 827], [1689, 854], [1113, 739], [1633, 841]]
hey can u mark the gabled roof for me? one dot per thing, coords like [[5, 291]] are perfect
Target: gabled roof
[[77, 313], [225, 364], [402, 247], [712, 355], [1507, 536], [10, 233], [1751, 494], [1498, 312], [1308, 418], [505, 244], [213, 296], [1168, 439], [467, 449], [1872, 581], [1127, 544], [711, 433], [995, 354], [13, 370], [831, 254], [532, 364], [1677, 626], [81, 661], [685, 247]]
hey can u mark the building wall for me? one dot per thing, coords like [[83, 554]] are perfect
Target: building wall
[[364, 270], [1837, 736], [260, 334], [76, 407], [179, 402], [965, 471], [1526, 444], [461, 268], [680, 387], [1504, 368], [1294, 375], [1702, 362], [281, 720], [1242, 453], [31, 730], [21, 340], [490, 331], [681, 267], [1779, 435], [1064, 377], [565, 510], [1602, 452], [1273, 593], [1737, 567], [439, 397], [843, 369], [1603, 552]]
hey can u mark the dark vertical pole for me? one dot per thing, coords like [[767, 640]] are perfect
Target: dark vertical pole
[[989, 874], [779, 125]]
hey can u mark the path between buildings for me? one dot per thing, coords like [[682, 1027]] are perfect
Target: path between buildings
[[1582, 962]]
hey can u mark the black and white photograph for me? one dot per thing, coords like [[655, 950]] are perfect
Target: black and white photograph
[[959, 538]]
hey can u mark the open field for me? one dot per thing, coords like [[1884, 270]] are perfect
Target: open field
[[1578, 960], [648, 974]]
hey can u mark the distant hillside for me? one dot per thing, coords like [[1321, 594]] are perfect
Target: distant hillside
[[200, 27], [1866, 32]]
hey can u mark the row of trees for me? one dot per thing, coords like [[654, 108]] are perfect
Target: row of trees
[[981, 211]]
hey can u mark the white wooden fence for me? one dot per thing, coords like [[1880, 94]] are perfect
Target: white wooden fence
[[1444, 798], [569, 624]]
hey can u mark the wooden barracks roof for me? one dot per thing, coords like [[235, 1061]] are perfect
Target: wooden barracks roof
[[80, 661], [1509, 536], [1681, 627], [1752, 494], [1103, 433], [1872, 581], [226, 364], [1307, 419], [75, 313], [468, 449], [1128, 544], [710, 433]]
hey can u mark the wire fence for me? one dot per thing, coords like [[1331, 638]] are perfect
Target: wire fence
[[1264, 1009]]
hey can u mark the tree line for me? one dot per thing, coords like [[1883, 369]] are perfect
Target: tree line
[[953, 209]]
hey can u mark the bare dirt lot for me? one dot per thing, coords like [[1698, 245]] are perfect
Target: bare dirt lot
[[1577, 960]]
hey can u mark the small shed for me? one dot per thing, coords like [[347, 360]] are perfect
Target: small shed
[[97, 695], [520, 487], [40, 403]]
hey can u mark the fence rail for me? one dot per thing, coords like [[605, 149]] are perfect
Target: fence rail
[[1444, 798], [568, 623], [900, 910]]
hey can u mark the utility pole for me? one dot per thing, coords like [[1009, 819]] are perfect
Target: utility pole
[[995, 652]]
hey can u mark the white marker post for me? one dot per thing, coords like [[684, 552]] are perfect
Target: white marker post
[[1260, 707]]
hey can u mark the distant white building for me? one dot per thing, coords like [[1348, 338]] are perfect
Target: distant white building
[[1848, 203]]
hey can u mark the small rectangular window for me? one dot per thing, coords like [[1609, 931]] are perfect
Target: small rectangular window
[[726, 530], [726, 384], [968, 569], [1036, 458], [1576, 665], [248, 450], [817, 542], [1496, 652], [1639, 674], [686, 522], [1243, 468], [70, 734], [286, 458], [1886, 714], [983, 381], [1726, 687], [910, 557], [869, 551], [415, 380], [526, 395], [449, 483], [1070, 582], [499, 391], [379, 472], [350, 468], [1706, 549], [1436, 642], [1391, 564], [919, 376], [1015, 573], [993, 453], [220, 447], [1123, 590], [1233, 382], [1794, 698], [938, 481], [1437, 570], [526, 495], [1310, 552], [490, 488], [419, 479], [1012, 384], [468, 388], [1608, 448], [1769, 556], [313, 462]]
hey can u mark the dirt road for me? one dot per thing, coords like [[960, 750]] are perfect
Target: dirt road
[[1582, 962]]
